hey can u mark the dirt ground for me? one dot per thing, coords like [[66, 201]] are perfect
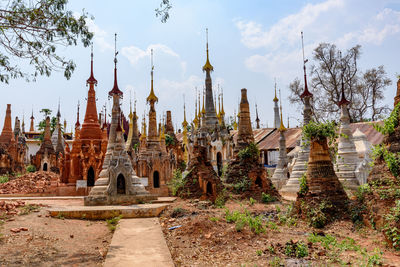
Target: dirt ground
[[39, 240], [205, 238]]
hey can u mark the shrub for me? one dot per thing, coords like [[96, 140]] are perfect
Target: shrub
[[319, 131], [390, 123], [251, 152], [267, 198], [220, 200], [30, 168], [242, 186], [3, 179], [362, 190], [252, 201], [303, 185], [177, 182], [298, 249]]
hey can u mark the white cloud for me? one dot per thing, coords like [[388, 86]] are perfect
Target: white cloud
[[100, 35], [287, 29], [330, 21], [134, 54]]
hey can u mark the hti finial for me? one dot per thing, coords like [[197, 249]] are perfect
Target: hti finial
[[115, 50], [306, 93], [207, 38]]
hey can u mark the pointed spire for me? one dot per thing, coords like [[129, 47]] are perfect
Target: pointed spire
[[184, 123], [77, 124], [203, 110], [281, 127], [343, 101], [222, 102], [288, 122], [91, 79], [152, 97], [275, 98], [257, 119], [207, 66], [306, 93], [115, 90], [58, 111], [199, 114]]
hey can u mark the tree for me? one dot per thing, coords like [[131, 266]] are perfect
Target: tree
[[365, 90], [53, 120], [32, 30]]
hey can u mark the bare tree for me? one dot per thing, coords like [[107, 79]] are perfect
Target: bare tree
[[363, 90]]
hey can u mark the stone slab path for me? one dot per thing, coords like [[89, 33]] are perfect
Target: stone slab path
[[138, 242], [107, 212]]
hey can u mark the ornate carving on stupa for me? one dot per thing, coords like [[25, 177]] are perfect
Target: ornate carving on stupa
[[90, 143], [117, 182], [153, 160]]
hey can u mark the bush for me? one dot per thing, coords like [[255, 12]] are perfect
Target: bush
[[3, 179], [242, 186], [298, 249], [390, 123], [251, 152], [303, 185], [319, 131], [267, 198], [30, 168], [177, 182], [245, 218]]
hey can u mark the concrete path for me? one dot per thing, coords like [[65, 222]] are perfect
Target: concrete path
[[138, 242]]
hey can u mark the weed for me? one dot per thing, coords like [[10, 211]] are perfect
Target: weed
[[298, 249], [214, 219], [113, 222], [28, 209], [30, 168], [60, 216], [178, 212], [245, 218], [272, 225], [303, 185], [252, 201], [259, 252], [376, 258], [271, 250], [3, 179], [242, 186], [177, 182], [220, 200], [276, 262], [267, 198]]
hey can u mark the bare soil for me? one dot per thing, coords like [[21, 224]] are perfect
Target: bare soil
[[31, 238], [205, 238]]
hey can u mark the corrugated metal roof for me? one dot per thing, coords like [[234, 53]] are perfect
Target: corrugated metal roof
[[271, 142], [259, 134]]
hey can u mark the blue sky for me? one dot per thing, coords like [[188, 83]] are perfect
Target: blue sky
[[250, 42]]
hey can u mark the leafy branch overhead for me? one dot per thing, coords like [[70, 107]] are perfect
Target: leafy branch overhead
[[33, 30]]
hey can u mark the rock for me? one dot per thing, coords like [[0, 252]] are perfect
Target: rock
[[71, 236], [15, 230], [23, 229]]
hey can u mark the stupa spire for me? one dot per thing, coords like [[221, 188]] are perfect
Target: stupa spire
[[257, 119], [152, 98], [77, 124], [115, 90], [91, 79], [32, 127], [306, 93], [207, 67]]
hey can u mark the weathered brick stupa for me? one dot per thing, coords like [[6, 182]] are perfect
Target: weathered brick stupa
[[322, 199], [300, 166], [46, 157], [347, 158], [85, 159], [8, 146], [200, 180], [381, 193], [153, 160], [117, 182], [245, 169]]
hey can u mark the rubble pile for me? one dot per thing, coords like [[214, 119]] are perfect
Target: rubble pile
[[9, 208], [30, 183]]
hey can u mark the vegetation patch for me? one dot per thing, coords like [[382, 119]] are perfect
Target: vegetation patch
[[113, 222]]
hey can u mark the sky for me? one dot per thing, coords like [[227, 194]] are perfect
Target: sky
[[250, 42]]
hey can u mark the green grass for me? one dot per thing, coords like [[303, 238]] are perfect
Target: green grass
[[113, 222], [29, 208], [3, 179]]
